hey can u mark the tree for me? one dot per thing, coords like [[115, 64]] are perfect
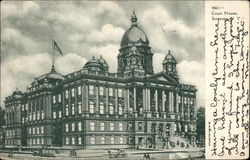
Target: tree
[[201, 125], [2, 124]]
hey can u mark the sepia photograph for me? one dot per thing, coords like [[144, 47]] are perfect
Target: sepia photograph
[[102, 80]]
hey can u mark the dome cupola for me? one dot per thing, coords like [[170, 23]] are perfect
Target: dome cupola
[[134, 35], [135, 57], [99, 65], [169, 65]]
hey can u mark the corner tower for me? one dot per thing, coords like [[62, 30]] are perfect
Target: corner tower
[[135, 57]]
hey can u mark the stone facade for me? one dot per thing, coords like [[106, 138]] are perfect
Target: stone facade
[[132, 108]]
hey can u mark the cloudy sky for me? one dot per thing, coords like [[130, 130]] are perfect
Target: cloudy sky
[[86, 29]]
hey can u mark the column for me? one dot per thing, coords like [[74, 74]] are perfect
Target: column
[[163, 104], [172, 102], [97, 112], [156, 100], [177, 103], [116, 101], [125, 101], [188, 108], [149, 99], [134, 100], [87, 98], [156, 103], [144, 98], [169, 101], [128, 100], [107, 101], [182, 107]]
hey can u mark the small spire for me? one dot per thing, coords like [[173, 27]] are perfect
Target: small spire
[[169, 52], [134, 19], [53, 70]]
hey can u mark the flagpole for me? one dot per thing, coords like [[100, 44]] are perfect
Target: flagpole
[[53, 49]]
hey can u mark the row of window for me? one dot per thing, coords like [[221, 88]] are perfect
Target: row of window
[[73, 110], [35, 141], [36, 130], [92, 126], [10, 132], [34, 116], [10, 142], [91, 91], [93, 140]]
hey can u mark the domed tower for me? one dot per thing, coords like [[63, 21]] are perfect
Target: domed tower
[[169, 66], [99, 65], [135, 57]]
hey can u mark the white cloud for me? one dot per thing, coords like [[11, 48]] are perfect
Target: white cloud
[[157, 61], [16, 39], [19, 9], [19, 72], [193, 72], [69, 63], [109, 53], [107, 33]]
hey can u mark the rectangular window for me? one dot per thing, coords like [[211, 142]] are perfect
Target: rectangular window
[[66, 127], [112, 140], [34, 141], [120, 126], [67, 140], [92, 126], [73, 92], [42, 141], [111, 92], [92, 140], [38, 141], [42, 130], [34, 130], [54, 115], [102, 140], [91, 107], [111, 108], [29, 131], [60, 114], [73, 127], [34, 116], [140, 126], [23, 120], [42, 115], [101, 91], [37, 130], [79, 126], [185, 100], [102, 126], [79, 90], [120, 92], [73, 140], [38, 116], [120, 110], [79, 107], [111, 127], [67, 111], [101, 108], [121, 140], [54, 99], [73, 109], [91, 90], [66, 94], [79, 140], [59, 98]]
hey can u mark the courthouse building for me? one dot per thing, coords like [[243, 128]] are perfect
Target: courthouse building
[[92, 107]]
